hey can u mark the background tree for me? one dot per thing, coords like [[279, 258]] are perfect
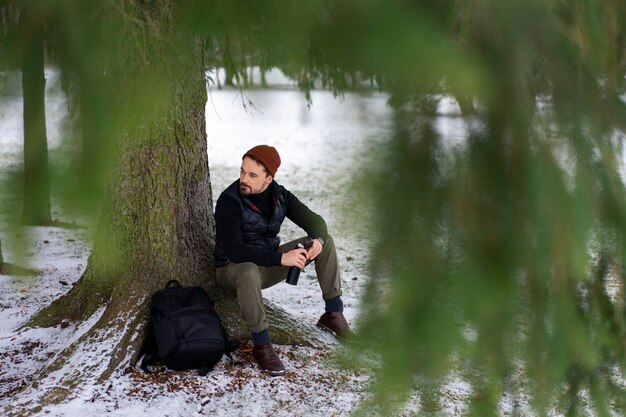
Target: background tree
[[32, 28], [23, 35]]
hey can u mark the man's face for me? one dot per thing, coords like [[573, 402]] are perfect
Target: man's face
[[252, 178]]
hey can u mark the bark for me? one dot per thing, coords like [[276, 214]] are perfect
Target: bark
[[36, 209], [1, 258]]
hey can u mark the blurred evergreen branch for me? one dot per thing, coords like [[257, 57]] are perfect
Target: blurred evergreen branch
[[508, 251]]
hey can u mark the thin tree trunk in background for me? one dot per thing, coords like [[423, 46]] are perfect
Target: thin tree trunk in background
[[36, 208], [1, 259], [466, 104]]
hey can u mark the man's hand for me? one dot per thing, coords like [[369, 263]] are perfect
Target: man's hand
[[314, 250], [295, 257]]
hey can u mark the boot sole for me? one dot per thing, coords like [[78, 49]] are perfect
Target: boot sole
[[274, 373], [270, 372], [331, 331]]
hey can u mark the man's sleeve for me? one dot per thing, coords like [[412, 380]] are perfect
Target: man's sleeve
[[228, 232], [312, 223]]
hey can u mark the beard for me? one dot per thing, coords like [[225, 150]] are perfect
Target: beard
[[245, 189], [252, 189]]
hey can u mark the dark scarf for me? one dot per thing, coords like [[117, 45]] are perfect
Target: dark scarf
[[264, 201]]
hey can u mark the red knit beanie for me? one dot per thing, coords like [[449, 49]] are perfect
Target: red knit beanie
[[266, 155]]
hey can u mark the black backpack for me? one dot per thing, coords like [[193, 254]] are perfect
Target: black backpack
[[184, 331]]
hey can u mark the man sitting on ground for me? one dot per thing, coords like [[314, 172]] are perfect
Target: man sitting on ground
[[249, 257]]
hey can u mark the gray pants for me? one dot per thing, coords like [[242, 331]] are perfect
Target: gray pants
[[248, 279]]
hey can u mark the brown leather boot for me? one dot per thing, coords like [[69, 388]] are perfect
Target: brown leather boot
[[334, 322], [267, 359]]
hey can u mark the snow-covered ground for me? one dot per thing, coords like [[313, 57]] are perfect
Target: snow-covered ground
[[321, 148]]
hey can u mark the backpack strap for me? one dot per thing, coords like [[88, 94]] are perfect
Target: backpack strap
[[148, 361], [230, 346], [149, 350], [173, 283]]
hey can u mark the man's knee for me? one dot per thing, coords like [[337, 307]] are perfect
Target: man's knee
[[248, 275], [330, 241], [329, 245]]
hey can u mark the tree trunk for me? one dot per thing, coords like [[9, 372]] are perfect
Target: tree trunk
[[1, 259], [36, 209], [156, 223], [466, 104]]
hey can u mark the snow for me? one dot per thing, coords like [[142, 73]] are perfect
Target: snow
[[320, 147]]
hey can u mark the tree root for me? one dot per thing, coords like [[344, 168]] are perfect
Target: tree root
[[283, 328], [106, 349], [76, 305], [16, 270]]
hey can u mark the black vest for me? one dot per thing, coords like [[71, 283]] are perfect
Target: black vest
[[256, 230]]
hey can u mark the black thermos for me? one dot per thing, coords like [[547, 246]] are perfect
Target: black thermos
[[294, 271]]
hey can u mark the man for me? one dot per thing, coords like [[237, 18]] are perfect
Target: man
[[248, 258]]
